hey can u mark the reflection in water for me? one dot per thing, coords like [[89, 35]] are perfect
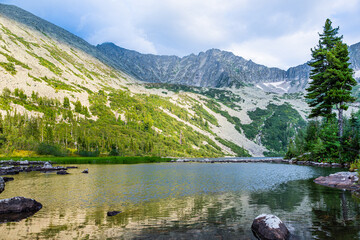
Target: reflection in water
[[203, 201]]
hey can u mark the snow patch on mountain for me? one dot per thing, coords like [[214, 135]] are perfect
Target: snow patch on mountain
[[277, 87]]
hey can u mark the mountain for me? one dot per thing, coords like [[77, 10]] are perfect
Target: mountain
[[34, 22], [355, 58], [213, 68], [60, 95]]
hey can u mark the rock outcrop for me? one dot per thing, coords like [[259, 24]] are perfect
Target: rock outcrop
[[269, 227], [17, 208], [18, 205], [340, 180]]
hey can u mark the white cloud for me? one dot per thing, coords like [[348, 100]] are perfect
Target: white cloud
[[283, 52], [275, 33]]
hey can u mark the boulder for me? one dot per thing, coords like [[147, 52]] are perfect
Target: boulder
[[113, 213], [62, 172], [26, 162], [8, 179], [85, 171], [17, 208], [47, 165], [2, 185], [341, 180], [269, 227], [18, 205], [9, 170]]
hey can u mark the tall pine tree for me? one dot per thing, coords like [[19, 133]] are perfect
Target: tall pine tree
[[339, 76], [331, 76], [319, 64]]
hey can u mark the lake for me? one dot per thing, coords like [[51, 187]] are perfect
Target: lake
[[181, 201]]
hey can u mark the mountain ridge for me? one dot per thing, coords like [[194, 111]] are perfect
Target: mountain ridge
[[213, 68], [47, 28]]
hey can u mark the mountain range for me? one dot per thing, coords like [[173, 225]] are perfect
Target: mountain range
[[59, 90], [214, 68]]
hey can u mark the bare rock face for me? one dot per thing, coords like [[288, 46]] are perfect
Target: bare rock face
[[17, 208], [2, 185], [269, 227]]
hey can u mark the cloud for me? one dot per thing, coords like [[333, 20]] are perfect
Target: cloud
[[283, 51], [275, 33]]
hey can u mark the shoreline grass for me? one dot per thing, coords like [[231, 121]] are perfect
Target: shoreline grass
[[92, 160]]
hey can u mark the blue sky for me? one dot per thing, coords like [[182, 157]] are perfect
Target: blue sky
[[276, 33]]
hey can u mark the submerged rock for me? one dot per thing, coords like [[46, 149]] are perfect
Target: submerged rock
[[62, 172], [17, 208], [2, 185], [269, 227], [8, 179], [113, 213]]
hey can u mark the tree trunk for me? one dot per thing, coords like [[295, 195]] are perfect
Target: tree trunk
[[341, 122]]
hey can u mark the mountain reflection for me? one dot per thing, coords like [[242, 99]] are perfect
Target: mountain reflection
[[164, 201]]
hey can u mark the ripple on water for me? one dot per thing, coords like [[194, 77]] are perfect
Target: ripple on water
[[179, 200]]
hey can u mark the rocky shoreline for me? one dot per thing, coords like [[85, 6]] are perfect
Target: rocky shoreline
[[18, 208], [11, 167], [261, 160]]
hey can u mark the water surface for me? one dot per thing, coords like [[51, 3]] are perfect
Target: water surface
[[181, 201]]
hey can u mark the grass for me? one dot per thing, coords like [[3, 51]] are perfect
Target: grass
[[93, 160], [9, 67], [15, 61], [49, 65], [240, 152]]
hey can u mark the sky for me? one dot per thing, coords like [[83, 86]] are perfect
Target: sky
[[275, 33]]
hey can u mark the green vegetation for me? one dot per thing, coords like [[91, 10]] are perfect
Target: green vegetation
[[330, 139], [62, 132], [275, 126], [9, 67], [226, 97], [49, 65], [59, 85], [15, 61], [13, 37], [332, 77], [214, 106], [240, 152], [319, 141]]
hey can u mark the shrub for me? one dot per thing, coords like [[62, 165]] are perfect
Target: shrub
[[49, 149]]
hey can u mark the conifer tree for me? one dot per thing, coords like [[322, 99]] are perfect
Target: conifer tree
[[331, 76], [340, 77]]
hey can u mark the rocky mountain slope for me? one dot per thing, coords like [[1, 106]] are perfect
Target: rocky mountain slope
[[213, 68], [59, 92]]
